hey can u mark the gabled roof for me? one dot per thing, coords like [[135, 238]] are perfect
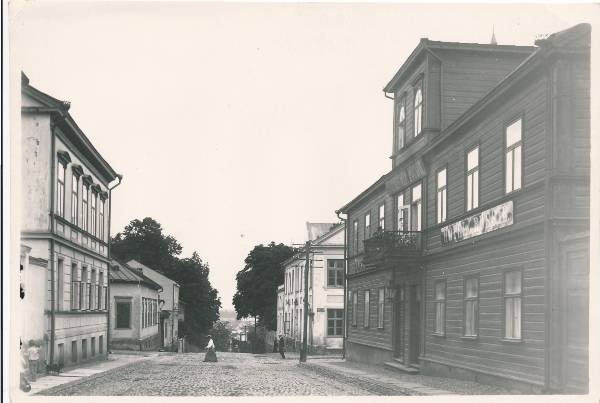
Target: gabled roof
[[426, 45], [138, 265], [60, 110], [122, 273], [329, 230]]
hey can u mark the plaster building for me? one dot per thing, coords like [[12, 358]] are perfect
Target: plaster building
[[65, 219], [470, 257], [168, 305], [135, 315], [325, 291]]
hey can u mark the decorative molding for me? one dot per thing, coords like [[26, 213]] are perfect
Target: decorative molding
[[64, 157], [103, 195], [87, 180], [77, 170], [96, 188], [38, 261]]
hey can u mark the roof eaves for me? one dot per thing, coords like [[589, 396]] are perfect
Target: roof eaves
[[379, 184]]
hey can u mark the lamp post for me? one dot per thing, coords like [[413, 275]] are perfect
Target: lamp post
[[303, 351]]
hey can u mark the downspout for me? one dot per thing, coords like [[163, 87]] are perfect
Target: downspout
[[52, 229], [337, 212], [120, 178]]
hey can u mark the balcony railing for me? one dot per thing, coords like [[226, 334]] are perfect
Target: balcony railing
[[393, 243]]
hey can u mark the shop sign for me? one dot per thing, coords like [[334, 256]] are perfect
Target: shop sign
[[488, 220]]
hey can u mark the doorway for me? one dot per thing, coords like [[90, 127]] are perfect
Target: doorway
[[414, 347]]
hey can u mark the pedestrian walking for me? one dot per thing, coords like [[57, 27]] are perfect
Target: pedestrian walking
[[33, 357], [211, 355], [282, 347]]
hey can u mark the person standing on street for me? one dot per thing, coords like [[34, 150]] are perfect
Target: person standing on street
[[33, 356], [211, 355], [282, 347]]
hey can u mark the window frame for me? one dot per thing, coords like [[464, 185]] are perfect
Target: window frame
[[418, 204], [400, 140], [468, 173], [60, 188], [339, 272], [510, 149], [367, 227], [355, 308], [338, 322], [93, 212], [474, 299], [355, 231], [74, 198], [437, 302], [101, 211], [441, 207], [418, 88], [520, 295], [123, 301], [85, 206], [381, 217], [75, 285], [366, 308]]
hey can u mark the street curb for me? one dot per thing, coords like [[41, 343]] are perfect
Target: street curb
[[48, 392], [378, 388]]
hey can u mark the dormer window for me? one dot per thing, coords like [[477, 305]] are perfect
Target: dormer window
[[400, 123], [418, 110]]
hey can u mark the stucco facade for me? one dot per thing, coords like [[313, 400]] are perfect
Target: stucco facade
[[325, 291], [64, 233]]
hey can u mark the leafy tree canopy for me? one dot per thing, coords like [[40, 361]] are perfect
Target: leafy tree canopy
[[144, 241], [221, 334], [257, 283]]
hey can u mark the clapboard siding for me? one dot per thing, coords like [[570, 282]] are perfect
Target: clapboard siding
[[489, 351], [371, 335], [467, 76]]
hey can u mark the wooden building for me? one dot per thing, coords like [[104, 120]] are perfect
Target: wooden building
[[470, 258]]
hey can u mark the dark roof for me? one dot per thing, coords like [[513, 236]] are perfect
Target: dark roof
[[60, 109], [426, 45], [121, 273]]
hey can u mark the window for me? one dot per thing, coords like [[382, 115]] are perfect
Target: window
[[75, 287], [401, 214], [512, 305], [382, 217], [471, 307], [93, 347], [101, 344], [92, 292], [335, 322], [84, 349], [100, 294], [416, 208], [473, 179], [335, 272], [513, 156], [93, 213], [101, 220], [400, 123], [355, 225], [367, 307], [367, 228], [60, 282], [74, 351], [380, 308], [354, 307], [75, 199], [440, 306], [441, 196], [123, 312], [85, 207], [418, 110], [60, 190], [83, 295]]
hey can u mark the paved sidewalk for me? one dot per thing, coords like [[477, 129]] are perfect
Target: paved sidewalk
[[114, 360], [389, 382]]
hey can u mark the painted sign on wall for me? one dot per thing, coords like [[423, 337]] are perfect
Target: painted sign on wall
[[488, 220]]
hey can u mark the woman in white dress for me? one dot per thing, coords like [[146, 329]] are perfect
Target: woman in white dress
[[211, 355]]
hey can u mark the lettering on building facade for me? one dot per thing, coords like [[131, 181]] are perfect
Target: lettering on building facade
[[488, 220]]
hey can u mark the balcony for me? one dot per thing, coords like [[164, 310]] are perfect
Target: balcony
[[392, 244]]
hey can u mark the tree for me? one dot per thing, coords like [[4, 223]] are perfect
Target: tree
[[221, 334], [144, 241], [257, 283]]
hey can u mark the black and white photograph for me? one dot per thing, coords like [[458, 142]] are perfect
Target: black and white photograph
[[235, 199]]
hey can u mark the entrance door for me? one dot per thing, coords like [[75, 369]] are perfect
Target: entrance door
[[415, 324], [399, 316]]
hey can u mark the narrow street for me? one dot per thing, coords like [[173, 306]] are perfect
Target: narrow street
[[236, 374]]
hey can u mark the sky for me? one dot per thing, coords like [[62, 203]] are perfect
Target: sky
[[235, 124]]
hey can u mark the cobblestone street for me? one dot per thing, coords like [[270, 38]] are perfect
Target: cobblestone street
[[235, 374]]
